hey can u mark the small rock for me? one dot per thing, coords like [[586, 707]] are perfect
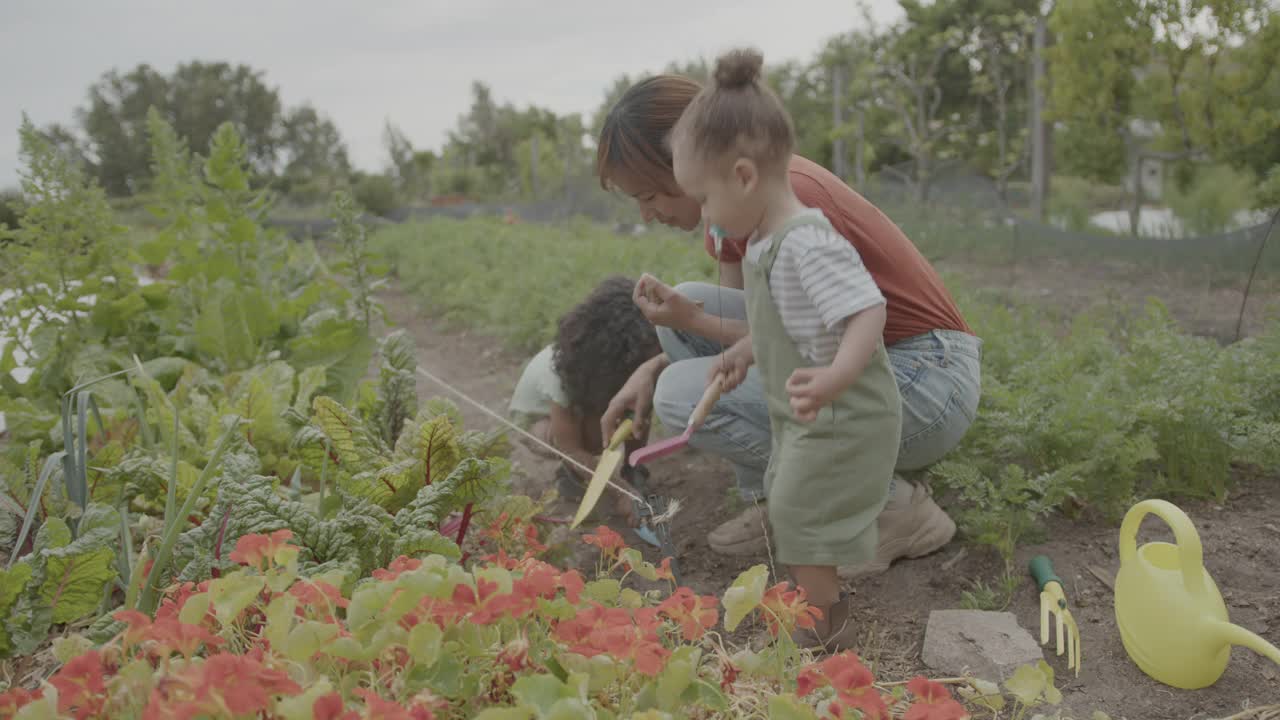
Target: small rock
[[989, 645]]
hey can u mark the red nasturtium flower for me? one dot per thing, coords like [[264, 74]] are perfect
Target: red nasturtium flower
[[14, 699], [842, 672], [853, 682], [664, 570], [502, 560], [609, 541], [597, 630], [174, 636], [224, 684], [176, 599], [788, 609], [138, 624], [330, 707], [485, 604], [318, 597], [514, 534], [256, 549], [934, 702], [399, 565], [165, 635], [82, 686], [866, 700], [695, 614]]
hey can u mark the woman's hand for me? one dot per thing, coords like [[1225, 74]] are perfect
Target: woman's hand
[[635, 396], [734, 365], [663, 306]]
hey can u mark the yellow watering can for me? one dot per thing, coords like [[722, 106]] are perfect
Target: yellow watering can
[[1171, 616]]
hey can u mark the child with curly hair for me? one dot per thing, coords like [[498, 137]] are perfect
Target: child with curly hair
[[816, 319], [565, 389]]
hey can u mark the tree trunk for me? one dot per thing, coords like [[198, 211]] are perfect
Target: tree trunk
[[860, 167], [1039, 129], [839, 162], [1135, 209], [923, 176], [533, 166]]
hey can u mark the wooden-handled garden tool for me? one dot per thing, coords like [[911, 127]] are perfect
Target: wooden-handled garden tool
[[1054, 600], [610, 461], [662, 448]]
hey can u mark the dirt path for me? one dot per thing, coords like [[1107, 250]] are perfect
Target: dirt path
[[1241, 547]]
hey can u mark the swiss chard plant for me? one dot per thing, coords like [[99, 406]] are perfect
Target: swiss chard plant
[[216, 458]]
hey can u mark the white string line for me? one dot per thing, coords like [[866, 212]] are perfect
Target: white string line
[[656, 518]]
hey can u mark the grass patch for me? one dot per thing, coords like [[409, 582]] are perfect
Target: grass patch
[[515, 281]]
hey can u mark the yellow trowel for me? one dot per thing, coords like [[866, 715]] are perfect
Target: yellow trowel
[[610, 461]]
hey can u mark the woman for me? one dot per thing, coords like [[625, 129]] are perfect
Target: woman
[[934, 354]]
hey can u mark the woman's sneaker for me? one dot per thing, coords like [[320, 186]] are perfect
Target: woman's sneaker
[[744, 534], [911, 525]]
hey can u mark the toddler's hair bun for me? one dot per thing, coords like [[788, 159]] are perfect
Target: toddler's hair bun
[[738, 69]]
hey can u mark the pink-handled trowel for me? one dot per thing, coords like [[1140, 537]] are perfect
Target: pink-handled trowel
[[663, 448]]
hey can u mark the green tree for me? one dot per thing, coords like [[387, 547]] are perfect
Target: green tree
[[412, 167], [196, 99], [907, 82], [999, 51], [1201, 74], [300, 146], [314, 156], [376, 193]]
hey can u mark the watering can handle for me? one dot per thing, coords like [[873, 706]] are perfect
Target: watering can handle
[[1190, 552]]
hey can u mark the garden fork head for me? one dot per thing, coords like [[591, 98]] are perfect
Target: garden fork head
[[1053, 600]]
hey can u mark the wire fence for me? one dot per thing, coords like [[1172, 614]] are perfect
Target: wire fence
[[1225, 285]]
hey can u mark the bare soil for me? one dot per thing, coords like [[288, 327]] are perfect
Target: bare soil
[[1241, 540]]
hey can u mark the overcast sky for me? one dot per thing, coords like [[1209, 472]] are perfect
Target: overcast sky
[[410, 62]]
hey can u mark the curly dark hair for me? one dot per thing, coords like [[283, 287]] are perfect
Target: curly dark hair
[[600, 342]]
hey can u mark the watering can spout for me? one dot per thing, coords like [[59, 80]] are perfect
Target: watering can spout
[[1236, 635]]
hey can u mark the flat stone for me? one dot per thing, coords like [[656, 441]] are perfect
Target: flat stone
[[979, 643]]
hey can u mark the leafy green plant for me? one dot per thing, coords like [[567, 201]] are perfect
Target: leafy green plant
[[230, 295], [71, 292], [356, 261], [1209, 202], [242, 293], [1106, 413]]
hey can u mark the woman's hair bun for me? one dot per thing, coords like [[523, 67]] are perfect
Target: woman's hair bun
[[738, 69]]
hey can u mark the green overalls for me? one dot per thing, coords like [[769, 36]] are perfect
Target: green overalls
[[828, 480]]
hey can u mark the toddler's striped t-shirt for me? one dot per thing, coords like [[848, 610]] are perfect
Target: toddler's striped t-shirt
[[818, 281]]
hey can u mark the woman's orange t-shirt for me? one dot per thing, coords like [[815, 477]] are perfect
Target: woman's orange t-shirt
[[916, 300]]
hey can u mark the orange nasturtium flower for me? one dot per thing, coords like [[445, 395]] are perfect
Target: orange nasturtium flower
[[274, 549], [934, 702]]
